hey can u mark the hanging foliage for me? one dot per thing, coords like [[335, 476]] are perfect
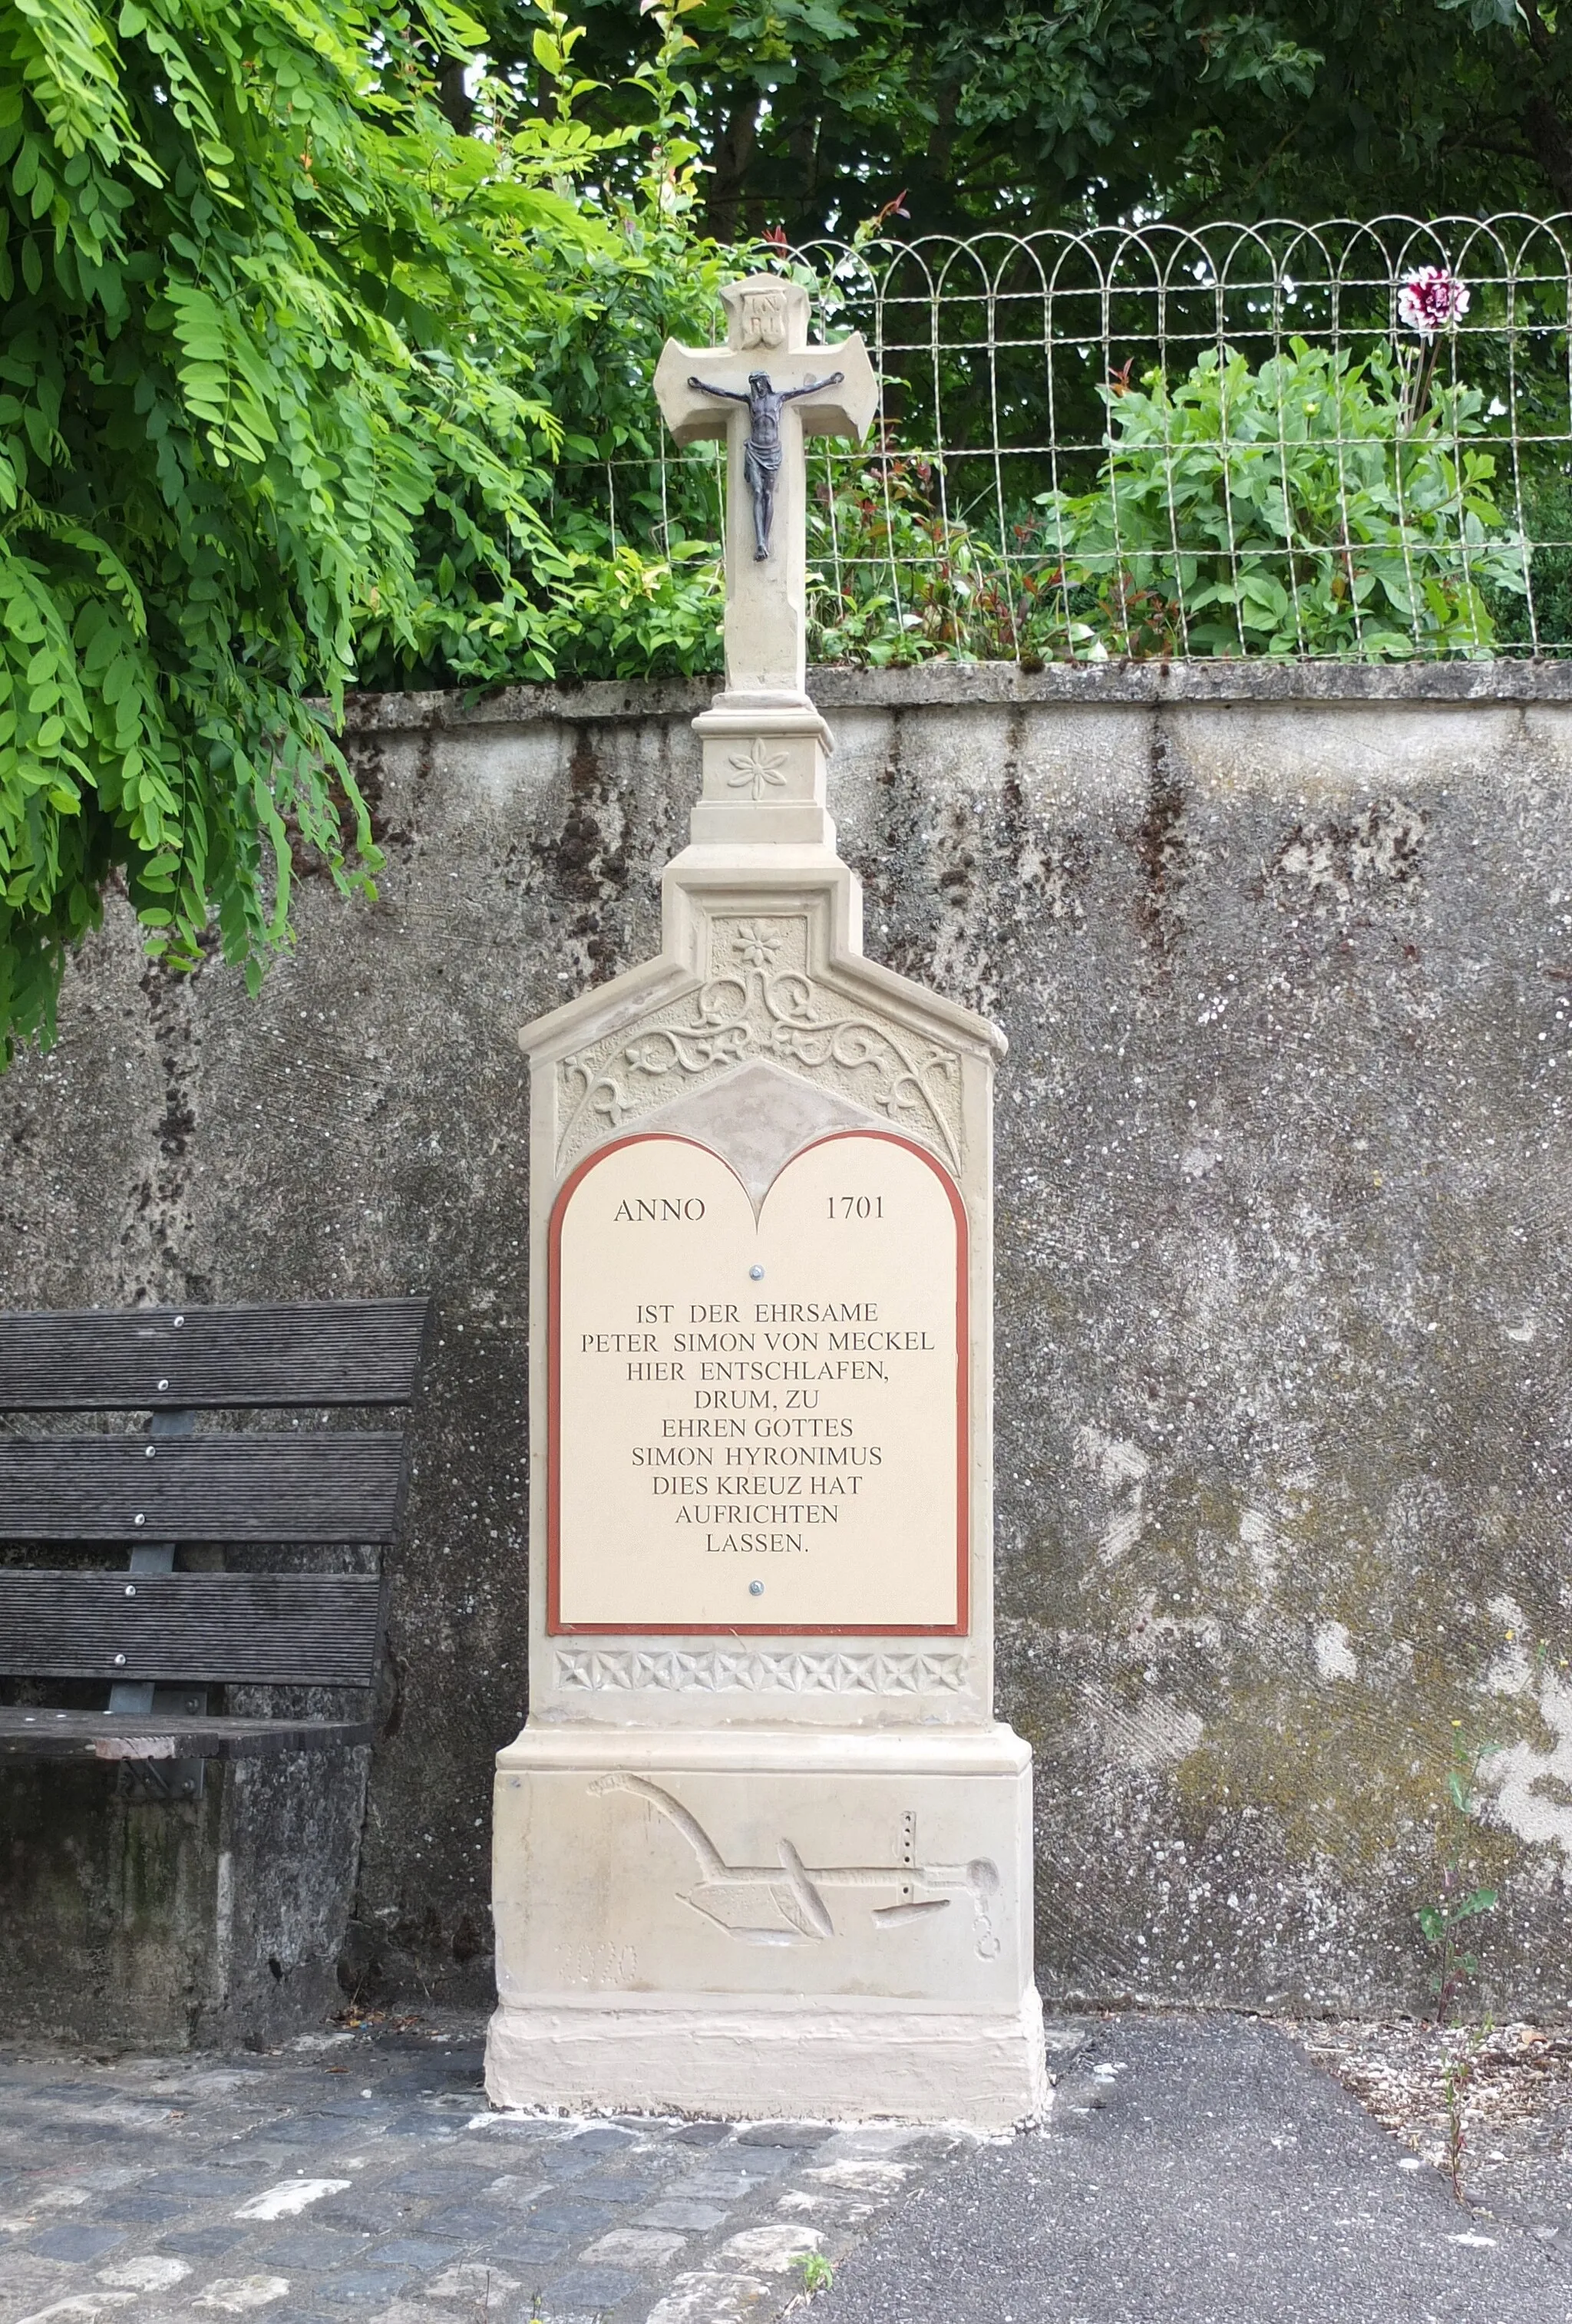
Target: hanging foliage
[[269, 417]]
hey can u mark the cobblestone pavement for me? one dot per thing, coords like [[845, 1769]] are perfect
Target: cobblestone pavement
[[362, 2175]]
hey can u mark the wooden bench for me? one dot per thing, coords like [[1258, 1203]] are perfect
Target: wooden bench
[[159, 1635]]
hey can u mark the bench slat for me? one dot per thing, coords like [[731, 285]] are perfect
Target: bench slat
[[304, 1629], [321, 1352], [278, 1486], [94, 1734]]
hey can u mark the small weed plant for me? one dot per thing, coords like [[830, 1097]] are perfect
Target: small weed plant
[[1444, 1924], [1443, 1921], [1456, 2076], [815, 2269]]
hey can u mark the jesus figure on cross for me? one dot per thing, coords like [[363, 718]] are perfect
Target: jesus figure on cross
[[761, 453]]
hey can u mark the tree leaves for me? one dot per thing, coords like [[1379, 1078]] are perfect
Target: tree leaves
[[269, 421], [1027, 114], [225, 382]]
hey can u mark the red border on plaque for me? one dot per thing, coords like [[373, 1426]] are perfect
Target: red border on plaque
[[556, 1626]]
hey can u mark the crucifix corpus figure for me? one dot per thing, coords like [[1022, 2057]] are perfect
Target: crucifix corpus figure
[[764, 392], [762, 452]]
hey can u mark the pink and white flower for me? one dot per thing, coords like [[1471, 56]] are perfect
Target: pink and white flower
[[1432, 299]]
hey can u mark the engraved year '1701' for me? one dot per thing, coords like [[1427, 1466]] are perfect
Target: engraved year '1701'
[[757, 1417]]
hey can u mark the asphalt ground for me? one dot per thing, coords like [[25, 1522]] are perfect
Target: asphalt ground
[[1200, 2171]]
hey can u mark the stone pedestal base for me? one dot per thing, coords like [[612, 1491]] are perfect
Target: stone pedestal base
[[767, 1923], [844, 2061]]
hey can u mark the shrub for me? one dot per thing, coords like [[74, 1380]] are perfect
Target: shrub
[[1289, 510]]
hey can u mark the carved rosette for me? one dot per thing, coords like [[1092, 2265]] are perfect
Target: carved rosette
[[742, 1670], [759, 1001]]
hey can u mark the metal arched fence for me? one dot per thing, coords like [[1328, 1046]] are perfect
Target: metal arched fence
[[1350, 440]]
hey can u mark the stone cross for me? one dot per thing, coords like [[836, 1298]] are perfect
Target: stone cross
[[764, 392], [763, 1848]]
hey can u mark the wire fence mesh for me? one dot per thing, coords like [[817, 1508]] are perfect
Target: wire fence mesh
[[1349, 441]]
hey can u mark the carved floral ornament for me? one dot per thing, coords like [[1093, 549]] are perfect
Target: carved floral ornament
[[760, 1002], [757, 771]]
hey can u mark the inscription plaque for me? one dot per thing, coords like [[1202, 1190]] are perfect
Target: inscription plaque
[[757, 1419]]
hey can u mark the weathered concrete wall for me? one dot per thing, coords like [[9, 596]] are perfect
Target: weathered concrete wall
[[1285, 959], [211, 1922]]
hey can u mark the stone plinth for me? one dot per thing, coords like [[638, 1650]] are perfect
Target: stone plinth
[[770, 1922]]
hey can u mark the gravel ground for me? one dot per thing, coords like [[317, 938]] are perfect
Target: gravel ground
[[1516, 2113]]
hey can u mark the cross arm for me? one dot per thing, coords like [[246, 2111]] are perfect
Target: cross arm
[[842, 404], [812, 386], [843, 401], [689, 407]]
